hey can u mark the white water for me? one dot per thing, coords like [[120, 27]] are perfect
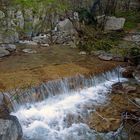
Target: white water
[[63, 116]]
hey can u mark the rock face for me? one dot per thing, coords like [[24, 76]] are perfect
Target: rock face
[[113, 23], [4, 52], [10, 129]]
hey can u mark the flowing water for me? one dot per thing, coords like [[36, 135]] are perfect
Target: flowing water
[[62, 110]]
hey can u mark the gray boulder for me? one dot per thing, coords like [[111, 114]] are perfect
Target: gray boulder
[[9, 47], [66, 26], [9, 37], [113, 23], [10, 128], [4, 52]]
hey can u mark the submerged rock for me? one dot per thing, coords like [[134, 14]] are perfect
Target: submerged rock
[[10, 128], [29, 51]]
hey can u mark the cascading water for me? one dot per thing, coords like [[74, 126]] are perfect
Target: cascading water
[[66, 104]]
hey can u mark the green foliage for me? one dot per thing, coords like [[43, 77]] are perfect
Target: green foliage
[[92, 45], [134, 51], [132, 18], [86, 16]]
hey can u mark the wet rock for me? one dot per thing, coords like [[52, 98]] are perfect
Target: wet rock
[[105, 57], [136, 75], [129, 88], [104, 122], [82, 53], [41, 39], [4, 105], [10, 128], [138, 67], [117, 88], [9, 47], [45, 45], [137, 100], [29, 51], [128, 72], [114, 23], [27, 42], [122, 88], [4, 52], [118, 58]]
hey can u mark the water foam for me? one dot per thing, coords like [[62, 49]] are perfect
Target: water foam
[[63, 116]]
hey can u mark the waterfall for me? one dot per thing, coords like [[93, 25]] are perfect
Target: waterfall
[[62, 107]]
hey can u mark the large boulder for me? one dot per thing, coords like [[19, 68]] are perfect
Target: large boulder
[[10, 128], [113, 23], [9, 37], [4, 52], [9, 47], [66, 26]]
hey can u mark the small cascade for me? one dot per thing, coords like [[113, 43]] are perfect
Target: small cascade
[[60, 86], [58, 110]]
